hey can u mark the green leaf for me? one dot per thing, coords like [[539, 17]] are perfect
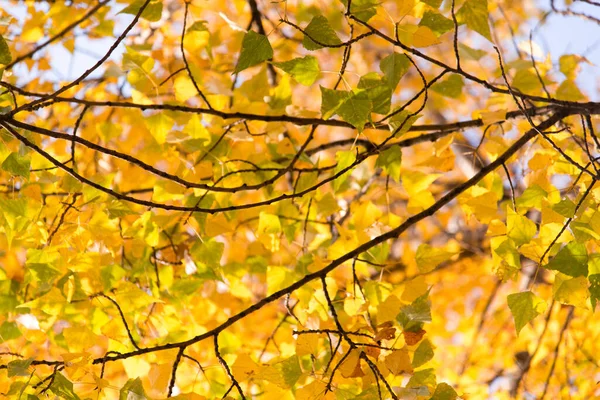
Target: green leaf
[[524, 306], [255, 49], [290, 370], [133, 390], [9, 331], [19, 367], [394, 67], [356, 111], [532, 197], [565, 207], [450, 87], [475, 14], [331, 100], [344, 159], [152, 12], [198, 26], [571, 260], [509, 253], [390, 160], [5, 56], [352, 108], [423, 354], [412, 316], [424, 377], [436, 22], [377, 90], [16, 164], [519, 228], [428, 257], [443, 391], [320, 30], [118, 209], [63, 387], [401, 122], [304, 70], [362, 9], [207, 255]]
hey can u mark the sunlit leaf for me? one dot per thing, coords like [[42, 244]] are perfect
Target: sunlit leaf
[[573, 291], [398, 362], [475, 14], [152, 12], [304, 70], [525, 306], [429, 257]]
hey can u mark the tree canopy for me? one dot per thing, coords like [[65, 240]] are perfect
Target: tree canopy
[[354, 199]]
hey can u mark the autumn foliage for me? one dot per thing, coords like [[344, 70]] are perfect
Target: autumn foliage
[[353, 199]]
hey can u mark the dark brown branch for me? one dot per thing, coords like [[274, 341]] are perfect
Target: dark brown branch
[[226, 367], [174, 371], [122, 315]]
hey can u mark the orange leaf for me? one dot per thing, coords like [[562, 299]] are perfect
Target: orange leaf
[[385, 334], [350, 368], [412, 338]]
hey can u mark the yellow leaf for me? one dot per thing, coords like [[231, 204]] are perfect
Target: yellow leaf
[[483, 207], [398, 362], [268, 223], [244, 368], [184, 88], [270, 374], [307, 344], [80, 338], [389, 309], [159, 126], [130, 297], [414, 288], [424, 37], [316, 390], [571, 291], [519, 228], [428, 258], [365, 215], [491, 117], [196, 129]]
